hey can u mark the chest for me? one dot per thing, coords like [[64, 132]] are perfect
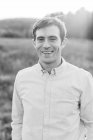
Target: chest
[[56, 96]]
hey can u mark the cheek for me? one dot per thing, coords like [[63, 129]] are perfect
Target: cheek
[[38, 47], [38, 50], [57, 48], [58, 51]]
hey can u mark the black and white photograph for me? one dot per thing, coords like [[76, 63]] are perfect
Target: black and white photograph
[[46, 70]]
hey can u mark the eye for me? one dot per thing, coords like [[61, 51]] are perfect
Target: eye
[[52, 38], [40, 39]]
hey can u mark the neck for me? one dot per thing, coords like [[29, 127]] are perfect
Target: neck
[[49, 66]]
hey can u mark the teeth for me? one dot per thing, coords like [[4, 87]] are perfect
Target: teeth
[[47, 52]]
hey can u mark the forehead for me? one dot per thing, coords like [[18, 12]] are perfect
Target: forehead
[[51, 30]]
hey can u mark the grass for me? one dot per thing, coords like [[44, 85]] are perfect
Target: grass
[[80, 53]]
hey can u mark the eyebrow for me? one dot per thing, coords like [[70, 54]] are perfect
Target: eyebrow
[[53, 36], [39, 37]]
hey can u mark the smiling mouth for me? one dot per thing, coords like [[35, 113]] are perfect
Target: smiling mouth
[[47, 52]]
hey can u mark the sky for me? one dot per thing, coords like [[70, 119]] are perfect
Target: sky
[[40, 8]]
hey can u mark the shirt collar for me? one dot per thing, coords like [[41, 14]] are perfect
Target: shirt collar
[[54, 71]]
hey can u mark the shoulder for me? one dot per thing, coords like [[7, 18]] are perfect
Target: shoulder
[[79, 72], [80, 76], [26, 72]]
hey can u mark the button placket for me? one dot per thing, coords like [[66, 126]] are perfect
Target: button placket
[[47, 104]]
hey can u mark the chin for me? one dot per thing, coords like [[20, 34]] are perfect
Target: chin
[[48, 61]]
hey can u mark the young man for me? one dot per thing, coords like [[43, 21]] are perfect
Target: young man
[[52, 100]]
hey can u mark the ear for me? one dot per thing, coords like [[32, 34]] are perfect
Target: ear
[[34, 43], [64, 43]]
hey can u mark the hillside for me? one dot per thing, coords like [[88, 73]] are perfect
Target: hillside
[[16, 28], [22, 27]]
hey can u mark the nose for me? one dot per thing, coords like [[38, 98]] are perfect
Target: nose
[[46, 44]]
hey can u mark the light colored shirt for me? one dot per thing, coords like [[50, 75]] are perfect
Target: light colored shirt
[[56, 106]]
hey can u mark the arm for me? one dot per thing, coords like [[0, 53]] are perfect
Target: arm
[[17, 115], [87, 106]]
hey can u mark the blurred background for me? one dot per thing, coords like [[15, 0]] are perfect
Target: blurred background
[[17, 52]]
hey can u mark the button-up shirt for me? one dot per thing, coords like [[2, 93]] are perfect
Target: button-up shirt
[[56, 106]]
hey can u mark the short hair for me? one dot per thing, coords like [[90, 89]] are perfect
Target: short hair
[[47, 21]]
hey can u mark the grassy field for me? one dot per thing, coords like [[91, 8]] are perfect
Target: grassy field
[[80, 53], [16, 54]]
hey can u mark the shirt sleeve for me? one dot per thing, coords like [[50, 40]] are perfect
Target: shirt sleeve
[[17, 115], [87, 105]]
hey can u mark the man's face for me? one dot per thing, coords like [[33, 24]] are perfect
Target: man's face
[[48, 44]]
